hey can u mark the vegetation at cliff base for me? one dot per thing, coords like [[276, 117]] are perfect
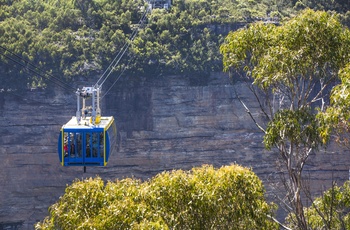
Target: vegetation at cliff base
[[231, 197], [75, 40]]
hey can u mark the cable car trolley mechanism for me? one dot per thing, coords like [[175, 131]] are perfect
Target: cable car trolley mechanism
[[88, 138]]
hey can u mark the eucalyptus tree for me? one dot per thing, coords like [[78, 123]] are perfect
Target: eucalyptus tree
[[231, 197], [294, 66]]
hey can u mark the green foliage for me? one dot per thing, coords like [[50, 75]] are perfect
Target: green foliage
[[70, 38], [336, 118], [306, 46], [290, 60], [331, 210], [298, 126], [90, 204], [328, 5], [80, 38], [231, 197]]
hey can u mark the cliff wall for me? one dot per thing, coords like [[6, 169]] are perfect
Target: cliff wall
[[163, 124]]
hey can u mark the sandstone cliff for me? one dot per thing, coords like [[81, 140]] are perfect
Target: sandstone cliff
[[163, 124]]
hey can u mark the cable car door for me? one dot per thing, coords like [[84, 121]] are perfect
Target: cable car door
[[75, 147], [93, 152]]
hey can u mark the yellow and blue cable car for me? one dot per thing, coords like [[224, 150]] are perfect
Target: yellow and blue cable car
[[88, 139]]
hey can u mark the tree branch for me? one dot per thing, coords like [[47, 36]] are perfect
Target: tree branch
[[248, 111], [279, 223]]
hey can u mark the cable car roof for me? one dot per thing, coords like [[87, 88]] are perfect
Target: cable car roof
[[85, 123]]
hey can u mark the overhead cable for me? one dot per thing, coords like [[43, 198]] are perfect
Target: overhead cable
[[31, 68], [121, 53]]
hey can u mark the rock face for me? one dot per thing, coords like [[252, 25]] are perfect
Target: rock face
[[163, 124]]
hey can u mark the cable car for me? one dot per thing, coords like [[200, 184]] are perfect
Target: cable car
[[87, 139]]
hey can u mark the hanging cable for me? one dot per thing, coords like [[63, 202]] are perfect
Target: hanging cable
[[116, 60], [117, 78], [13, 93], [25, 98], [30, 67], [31, 71], [132, 38], [121, 53]]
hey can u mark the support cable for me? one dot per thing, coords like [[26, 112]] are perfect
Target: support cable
[[31, 68], [121, 53], [34, 72], [117, 79]]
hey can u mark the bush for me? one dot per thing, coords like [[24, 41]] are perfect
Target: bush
[[231, 197]]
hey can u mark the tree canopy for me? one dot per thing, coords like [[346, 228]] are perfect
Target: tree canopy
[[231, 197], [294, 66]]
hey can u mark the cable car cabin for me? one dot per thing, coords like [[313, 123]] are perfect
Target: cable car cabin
[[85, 144]]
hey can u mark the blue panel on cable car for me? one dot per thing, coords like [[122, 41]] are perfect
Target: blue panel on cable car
[[85, 144]]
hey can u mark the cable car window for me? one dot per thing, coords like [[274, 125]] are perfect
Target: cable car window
[[88, 144], [95, 141], [101, 145], [65, 145], [78, 144], [71, 144]]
